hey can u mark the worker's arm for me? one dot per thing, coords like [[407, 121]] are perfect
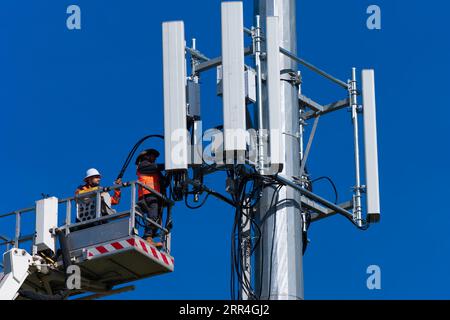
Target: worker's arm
[[115, 199]]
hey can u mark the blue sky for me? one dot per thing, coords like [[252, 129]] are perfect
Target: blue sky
[[71, 100]]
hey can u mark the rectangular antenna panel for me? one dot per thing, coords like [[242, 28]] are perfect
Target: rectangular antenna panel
[[174, 79], [197, 144], [371, 146], [250, 84], [234, 112], [193, 99], [274, 90]]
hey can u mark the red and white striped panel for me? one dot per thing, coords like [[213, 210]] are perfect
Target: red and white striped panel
[[136, 242]]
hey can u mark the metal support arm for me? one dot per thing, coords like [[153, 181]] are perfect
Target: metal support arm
[[287, 182], [314, 68]]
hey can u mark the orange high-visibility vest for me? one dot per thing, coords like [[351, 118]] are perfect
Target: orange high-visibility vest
[[150, 180]]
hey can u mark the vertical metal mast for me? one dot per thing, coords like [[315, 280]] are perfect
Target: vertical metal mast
[[353, 92], [279, 261]]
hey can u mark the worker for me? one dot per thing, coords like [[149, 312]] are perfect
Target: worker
[[150, 174], [92, 182]]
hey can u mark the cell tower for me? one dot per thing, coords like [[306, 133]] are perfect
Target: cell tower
[[262, 146], [265, 114]]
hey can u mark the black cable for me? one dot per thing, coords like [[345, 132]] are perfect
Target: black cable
[[253, 223], [274, 195], [249, 220], [241, 204], [257, 189], [133, 151], [332, 184], [277, 192], [196, 207], [240, 197], [235, 263], [305, 233], [365, 225]]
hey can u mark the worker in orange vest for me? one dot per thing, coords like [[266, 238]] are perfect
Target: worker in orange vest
[[150, 174]]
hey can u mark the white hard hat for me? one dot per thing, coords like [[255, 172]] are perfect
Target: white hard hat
[[92, 173]]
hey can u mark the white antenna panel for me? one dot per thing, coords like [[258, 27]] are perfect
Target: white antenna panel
[[273, 88], [371, 146], [234, 114], [175, 125]]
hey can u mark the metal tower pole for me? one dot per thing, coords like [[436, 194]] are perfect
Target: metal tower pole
[[279, 261]]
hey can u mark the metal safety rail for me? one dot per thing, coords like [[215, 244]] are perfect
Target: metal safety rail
[[132, 213], [68, 225], [6, 243]]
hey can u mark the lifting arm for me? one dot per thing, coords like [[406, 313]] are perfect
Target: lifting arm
[[16, 268]]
